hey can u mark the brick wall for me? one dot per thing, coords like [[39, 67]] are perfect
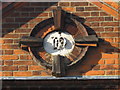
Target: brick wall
[[103, 60]]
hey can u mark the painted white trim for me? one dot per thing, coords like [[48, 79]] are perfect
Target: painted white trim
[[60, 78]]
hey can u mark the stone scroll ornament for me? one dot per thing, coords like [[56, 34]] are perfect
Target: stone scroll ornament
[[58, 42]]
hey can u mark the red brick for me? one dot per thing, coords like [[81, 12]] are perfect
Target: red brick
[[64, 3], [117, 72], [1, 41], [10, 47], [70, 9], [97, 3], [6, 47], [8, 19], [39, 15], [109, 29], [110, 72], [108, 18], [87, 23], [35, 63], [91, 9], [20, 51], [50, 8], [39, 9], [99, 29], [2, 62], [109, 67], [79, 3], [39, 4], [115, 5], [23, 19], [1, 52], [7, 73], [22, 30], [25, 57], [89, 73], [10, 25], [82, 14], [24, 73], [25, 26], [109, 34], [103, 14], [94, 13], [8, 62], [1, 74], [115, 44], [110, 61], [9, 52], [117, 61], [23, 62], [97, 67], [34, 67], [23, 68], [116, 29], [28, 9], [32, 25], [6, 41], [9, 68], [116, 19], [109, 39], [15, 14], [108, 2], [116, 66], [94, 24], [117, 39], [109, 24], [24, 14], [43, 15], [36, 20], [6, 30], [44, 73], [107, 56], [37, 73], [101, 61], [9, 57], [21, 35], [109, 10], [11, 36], [53, 4], [95, 19], [16, 41], [50, 14], [80, 8]]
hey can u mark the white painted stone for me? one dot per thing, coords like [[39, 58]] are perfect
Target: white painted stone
[[57, 43]]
